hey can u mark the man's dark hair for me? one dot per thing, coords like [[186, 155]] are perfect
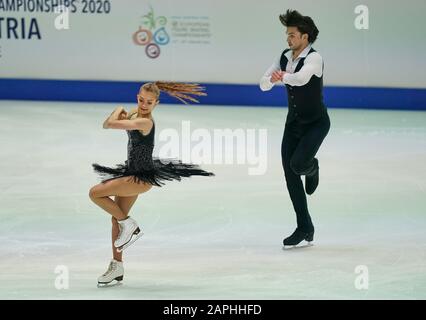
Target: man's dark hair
[[304, 24]]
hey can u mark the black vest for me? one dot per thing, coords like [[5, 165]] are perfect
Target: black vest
[[305, 103]]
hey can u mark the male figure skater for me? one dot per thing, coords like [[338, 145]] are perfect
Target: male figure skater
[[300, 68]]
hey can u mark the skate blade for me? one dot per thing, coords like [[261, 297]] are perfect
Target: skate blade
[[110, 285], [299, 246], [132, 239], [114, 283]]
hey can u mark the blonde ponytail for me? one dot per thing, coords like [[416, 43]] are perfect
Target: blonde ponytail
[[180, 91]]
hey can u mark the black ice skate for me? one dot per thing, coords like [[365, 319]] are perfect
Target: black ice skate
[[297, 237]]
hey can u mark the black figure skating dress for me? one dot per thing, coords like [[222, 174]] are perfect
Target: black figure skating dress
[[143, 167]]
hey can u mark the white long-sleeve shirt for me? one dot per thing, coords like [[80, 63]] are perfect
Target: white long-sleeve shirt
[[313, 65]]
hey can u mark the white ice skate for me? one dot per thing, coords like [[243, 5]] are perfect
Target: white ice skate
[[115, 272], [129, 233]]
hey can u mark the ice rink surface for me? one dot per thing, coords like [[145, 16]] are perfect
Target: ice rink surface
[[213, 237]]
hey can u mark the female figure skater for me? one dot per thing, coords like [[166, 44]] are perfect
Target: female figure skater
[[141, 171]]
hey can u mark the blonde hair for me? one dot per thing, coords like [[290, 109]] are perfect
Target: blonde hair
[[180, 91]]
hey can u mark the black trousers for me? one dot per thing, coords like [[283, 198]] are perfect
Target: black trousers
[[299, 146]]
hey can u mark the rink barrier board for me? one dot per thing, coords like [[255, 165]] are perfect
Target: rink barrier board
[[218, 94]]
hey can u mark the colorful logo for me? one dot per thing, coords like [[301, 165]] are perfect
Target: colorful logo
[[152, 34]]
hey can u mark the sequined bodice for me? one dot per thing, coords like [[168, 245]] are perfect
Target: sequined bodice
[[139, 150]]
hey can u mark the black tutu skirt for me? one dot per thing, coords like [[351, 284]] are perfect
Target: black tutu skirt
[[156, 175]]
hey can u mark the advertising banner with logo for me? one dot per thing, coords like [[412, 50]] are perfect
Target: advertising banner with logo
[[206, 41]]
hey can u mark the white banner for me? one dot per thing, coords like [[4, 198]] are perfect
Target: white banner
[[208, 41]]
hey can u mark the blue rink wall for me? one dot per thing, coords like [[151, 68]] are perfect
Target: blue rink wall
[[218, 94]]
